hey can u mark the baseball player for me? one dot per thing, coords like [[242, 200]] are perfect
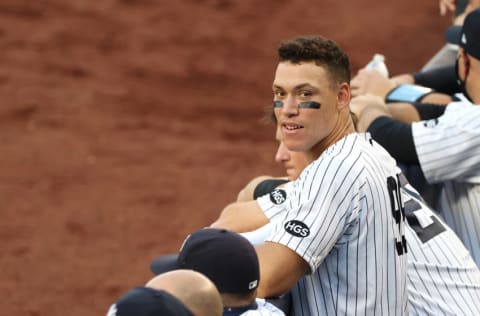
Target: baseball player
[[442, 276], [447, 147], [340, 226]]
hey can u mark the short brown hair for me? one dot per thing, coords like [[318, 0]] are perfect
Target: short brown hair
[[322, 51]]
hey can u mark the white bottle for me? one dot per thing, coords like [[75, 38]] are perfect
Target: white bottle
[[378, 63]]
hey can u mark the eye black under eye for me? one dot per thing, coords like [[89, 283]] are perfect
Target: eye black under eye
[[303, 105], [309, 105]]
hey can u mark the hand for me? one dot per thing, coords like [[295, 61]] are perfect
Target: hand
[[447, 5], [369, 81], [366, 109]]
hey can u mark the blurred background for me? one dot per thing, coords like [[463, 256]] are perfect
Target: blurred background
[[127, 124]]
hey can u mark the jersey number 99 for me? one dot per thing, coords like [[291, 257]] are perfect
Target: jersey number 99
[[398, 211]]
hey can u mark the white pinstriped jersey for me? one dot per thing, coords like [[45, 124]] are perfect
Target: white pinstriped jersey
[[448, 150], [264, 308], [343, 216], [443, 279]]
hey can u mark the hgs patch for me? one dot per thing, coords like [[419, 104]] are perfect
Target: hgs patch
[[278, 196], [297, 228]]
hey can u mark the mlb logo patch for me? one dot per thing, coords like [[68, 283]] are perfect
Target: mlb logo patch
[[431, 123], [278, 196]]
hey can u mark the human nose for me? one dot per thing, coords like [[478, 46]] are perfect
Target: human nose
[[290, 106]]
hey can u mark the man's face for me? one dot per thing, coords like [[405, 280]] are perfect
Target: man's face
[[303, 128], [293, 161]]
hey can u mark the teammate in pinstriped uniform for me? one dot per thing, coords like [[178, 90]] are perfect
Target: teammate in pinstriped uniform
[[342, 228], [448, 147], [443, 278]]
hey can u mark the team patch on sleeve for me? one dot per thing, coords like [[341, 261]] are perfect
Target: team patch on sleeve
[[431, 123], [278, 196], [297, 228]]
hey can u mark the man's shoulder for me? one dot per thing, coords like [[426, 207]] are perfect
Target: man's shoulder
[[345, 145], [264, 308], [347, 151]]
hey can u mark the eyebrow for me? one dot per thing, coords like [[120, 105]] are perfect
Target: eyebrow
[[297, 87]]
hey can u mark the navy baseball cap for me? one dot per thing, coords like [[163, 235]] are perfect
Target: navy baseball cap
[[228, 259], [467, 36], [145, 301]]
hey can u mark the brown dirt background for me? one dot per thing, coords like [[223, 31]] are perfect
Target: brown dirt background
[[127, 124]]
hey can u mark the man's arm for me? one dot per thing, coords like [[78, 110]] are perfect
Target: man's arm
[[369, 81], [246, 194], [241, 217], [367, 108], [395, 136], [404, 112], [280, 269]]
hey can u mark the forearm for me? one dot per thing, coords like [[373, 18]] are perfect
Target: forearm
[[241, 217], [437, 98], [367, 116], [404, 112], [280, 269]]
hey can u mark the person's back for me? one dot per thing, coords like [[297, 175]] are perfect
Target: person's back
[[442, 276], [448, 147], [458, 202]]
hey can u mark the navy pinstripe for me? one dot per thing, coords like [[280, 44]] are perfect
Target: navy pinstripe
[[449, 153], [343, 200], [443, 278]]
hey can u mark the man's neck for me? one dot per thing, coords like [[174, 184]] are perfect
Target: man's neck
[[236, 311], [343, 129], [237, 300]]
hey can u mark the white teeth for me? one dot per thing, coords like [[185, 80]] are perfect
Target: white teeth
[[292, 127]]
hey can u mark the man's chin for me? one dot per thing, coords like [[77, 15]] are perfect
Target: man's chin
[[295, 144]]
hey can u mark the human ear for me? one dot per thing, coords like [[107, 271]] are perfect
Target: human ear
[[466, 64], [343, 96]]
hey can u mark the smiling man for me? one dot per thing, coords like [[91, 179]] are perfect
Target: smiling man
[[338, 228]]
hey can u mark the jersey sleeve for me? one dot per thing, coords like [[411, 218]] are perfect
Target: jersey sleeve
[[310, 215], [274, 204], [267, 186], [448, 147]]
